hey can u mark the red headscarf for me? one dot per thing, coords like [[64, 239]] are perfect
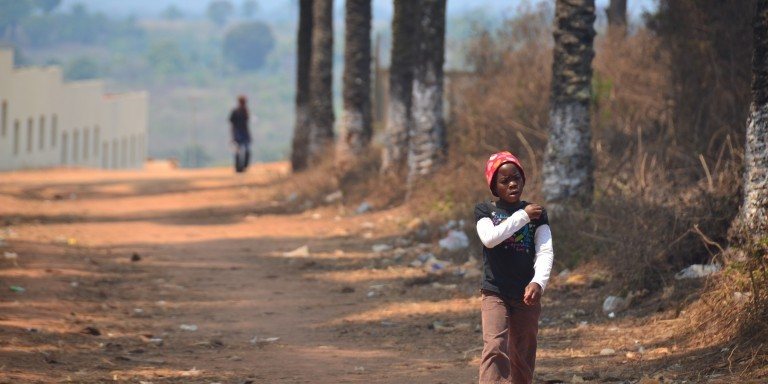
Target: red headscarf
[[497, 160]]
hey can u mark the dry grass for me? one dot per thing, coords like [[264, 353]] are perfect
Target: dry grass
[[661, 203]]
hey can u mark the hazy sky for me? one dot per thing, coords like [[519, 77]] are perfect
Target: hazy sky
[[282, 9]]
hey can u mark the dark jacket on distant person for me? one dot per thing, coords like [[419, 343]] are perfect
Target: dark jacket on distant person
[[239, 120]]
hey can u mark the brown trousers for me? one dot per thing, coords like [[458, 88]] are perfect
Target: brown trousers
[[509, 340]]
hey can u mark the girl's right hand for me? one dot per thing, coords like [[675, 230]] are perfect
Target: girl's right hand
[[533, 210]]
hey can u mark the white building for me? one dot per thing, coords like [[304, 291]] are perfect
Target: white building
[[45, 122]]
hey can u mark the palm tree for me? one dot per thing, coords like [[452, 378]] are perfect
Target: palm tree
[[356, 120], [568, 166], [320, 82], [300, 145], [753, 216], [617, 17], [400, 85], [427, 139]]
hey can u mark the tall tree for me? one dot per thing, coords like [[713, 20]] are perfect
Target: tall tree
[[11, 14], [248, 8], [426, 143], [301, 129], [617, 17], [568, 166], [356, 120], [47, 6], [219, 11], [398, 118], [320, 78], [753, 216]]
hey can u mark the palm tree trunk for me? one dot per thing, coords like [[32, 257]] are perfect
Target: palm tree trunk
[[356, 120], [753, 217], [568, 167], [398, 119], [617, 17], [321, 92], [427, 139], [300, 145]]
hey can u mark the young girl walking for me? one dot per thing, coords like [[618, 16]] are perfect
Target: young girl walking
[[517, 260]]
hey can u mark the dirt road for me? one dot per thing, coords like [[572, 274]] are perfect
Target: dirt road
[[172, 276]]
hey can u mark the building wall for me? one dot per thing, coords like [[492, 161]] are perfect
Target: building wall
[[45, 122]]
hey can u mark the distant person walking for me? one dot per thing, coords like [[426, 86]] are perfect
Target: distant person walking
[[241, 135]]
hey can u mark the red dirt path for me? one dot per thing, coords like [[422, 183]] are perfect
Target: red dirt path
[[211, 247]]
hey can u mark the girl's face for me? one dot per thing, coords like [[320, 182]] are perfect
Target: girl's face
[[509, 183]]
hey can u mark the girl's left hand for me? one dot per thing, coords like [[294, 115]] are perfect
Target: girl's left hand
[[532, 294]]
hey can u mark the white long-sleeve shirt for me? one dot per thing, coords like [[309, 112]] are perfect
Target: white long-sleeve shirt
[[492, 235]]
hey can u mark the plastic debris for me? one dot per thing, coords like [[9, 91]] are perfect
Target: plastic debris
[[454, 241], [416, 263], [697, 271], [333, 197], [17, 288], [425, 256], [302, 251], [371, 294], [379, 248], [359, 369], [607, 352], [188, 327], [316, 216], [11, 256], [564, 273], [71, 241], [269, 340], [435, 265], [292, 197], [363, 208], [614, 304]]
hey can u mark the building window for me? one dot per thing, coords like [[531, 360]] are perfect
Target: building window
[[64, 146], [75, 146], [105, 155], [4, 117], [30, 128], [54, 130], [16, 137], [96, 140], [124, 152], [133, 150], [86, 145], [41, 134], [114, 154]]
